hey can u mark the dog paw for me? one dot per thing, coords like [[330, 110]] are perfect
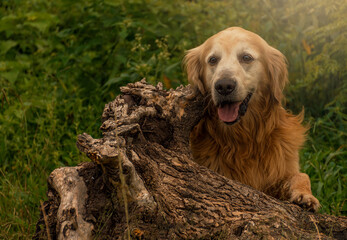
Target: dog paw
[[306, 201]]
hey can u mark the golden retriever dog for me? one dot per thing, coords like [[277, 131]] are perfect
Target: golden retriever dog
[[246, 134]]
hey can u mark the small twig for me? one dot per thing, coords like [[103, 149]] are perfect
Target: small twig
[[123, 187], [122, 180], [46, 220], [314, 223], [4, 97]]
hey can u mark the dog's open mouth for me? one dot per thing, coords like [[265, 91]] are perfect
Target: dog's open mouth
[[231, 112]]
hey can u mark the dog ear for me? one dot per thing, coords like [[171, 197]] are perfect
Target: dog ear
[[278, 73], [194, 68]]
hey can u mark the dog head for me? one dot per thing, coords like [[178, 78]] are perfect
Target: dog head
[[236, 67]]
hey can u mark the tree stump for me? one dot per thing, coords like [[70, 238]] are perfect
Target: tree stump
[[143, 184]]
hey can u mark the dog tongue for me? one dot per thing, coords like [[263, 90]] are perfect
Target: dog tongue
[[229, 112]]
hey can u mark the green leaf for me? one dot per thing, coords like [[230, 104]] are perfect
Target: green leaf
[[113, 3], [41, 26], [123, 77], [40, 20], [11, 76], [6, 45]]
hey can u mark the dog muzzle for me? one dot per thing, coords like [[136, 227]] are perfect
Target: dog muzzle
[[231, 112]]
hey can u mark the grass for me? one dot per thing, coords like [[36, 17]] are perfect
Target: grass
[[61, 61], [326, 165], [30, 151]]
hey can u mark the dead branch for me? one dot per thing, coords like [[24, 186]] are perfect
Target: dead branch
[[146, 141]]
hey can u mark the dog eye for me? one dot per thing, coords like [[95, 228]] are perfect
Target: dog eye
[[212, 61], [247, 58]]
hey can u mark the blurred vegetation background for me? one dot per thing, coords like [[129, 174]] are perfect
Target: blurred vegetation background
[[62, 60]]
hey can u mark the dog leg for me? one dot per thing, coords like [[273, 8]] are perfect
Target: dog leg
[[300, 192]]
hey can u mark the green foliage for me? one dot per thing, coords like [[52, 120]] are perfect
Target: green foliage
[[61, 61]]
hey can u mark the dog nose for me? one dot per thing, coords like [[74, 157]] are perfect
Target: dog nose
[[225, 86]]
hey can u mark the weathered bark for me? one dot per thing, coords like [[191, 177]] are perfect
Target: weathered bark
[[142, 181]]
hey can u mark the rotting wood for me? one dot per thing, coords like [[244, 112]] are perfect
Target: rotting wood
[[169, 196]]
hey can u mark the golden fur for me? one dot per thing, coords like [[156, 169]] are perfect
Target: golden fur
[[261, 149]]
